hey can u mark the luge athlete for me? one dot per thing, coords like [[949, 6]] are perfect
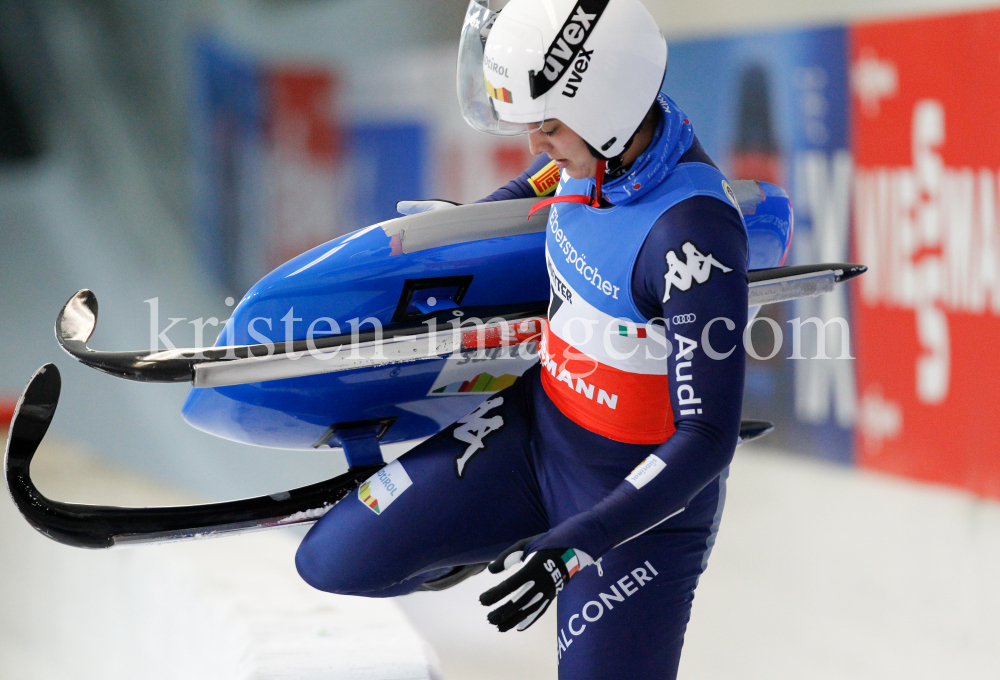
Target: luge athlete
[[603, 468]]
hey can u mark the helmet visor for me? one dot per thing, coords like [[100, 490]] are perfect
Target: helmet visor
[[494, 59]]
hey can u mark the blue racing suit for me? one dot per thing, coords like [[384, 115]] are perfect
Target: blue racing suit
[[623, 459]]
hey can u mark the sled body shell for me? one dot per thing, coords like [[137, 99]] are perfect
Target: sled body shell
[[397, 277]]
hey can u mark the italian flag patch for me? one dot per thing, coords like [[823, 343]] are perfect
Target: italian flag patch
[[571, 561], [631, 331]]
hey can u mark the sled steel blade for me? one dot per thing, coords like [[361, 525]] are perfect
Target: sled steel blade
[[78, 319], [95, 526], [781, 284], [243, 364], [754, 429], [767, 286], [393, 350], [76, 323]]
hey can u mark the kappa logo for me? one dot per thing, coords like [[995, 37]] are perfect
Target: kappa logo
[[697, 269], [567, 46], [473, 428]]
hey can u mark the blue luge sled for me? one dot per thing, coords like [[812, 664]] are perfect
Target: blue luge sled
[[409, 276], [441, 266], [478, 261]]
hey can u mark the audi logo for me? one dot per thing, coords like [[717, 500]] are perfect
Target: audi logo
[[681, 319]]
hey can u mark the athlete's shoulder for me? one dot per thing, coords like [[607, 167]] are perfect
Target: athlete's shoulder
[[697, 238], [709, 217], [712, 210], [696, 154]]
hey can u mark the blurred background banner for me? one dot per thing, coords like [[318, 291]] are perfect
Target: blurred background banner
[[186, 164], [230, 109], [177, 151], [292, 150], [927, 148], [773, 106]]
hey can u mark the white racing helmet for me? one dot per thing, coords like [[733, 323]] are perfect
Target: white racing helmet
[[596, 65]]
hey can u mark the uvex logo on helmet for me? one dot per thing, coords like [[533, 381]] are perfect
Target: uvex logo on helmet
[[567, 44]]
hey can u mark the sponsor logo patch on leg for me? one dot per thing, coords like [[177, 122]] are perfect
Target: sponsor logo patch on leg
[[385, 486]]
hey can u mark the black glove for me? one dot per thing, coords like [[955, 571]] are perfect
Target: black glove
[[538, 582]]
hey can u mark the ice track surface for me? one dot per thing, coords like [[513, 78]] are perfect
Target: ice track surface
[[820, 572], [230, 609]]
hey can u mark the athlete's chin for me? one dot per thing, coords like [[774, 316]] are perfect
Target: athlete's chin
[[579, 173]]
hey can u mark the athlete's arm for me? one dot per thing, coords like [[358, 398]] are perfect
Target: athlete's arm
[[540, 179], [706, 393]]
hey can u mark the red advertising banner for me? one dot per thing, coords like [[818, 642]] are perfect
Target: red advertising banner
[[6, 412], [927, 223], [304, 150]]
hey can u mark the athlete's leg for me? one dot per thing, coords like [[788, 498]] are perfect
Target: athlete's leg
[[464, 503], [629, 623]]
